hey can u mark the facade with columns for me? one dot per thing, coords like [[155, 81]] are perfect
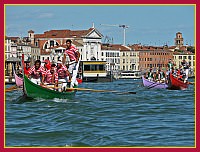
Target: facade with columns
[[53, 43]]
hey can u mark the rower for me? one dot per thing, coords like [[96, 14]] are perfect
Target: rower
[[36, 72], [51, 76], [64, 77], [170, 65], [158, 76], [186, 69], [150, 75], [47, 64]]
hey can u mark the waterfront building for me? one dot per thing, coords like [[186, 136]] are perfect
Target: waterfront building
[[111, 54], [11, 47], [35, 53], [87, 41], [189, 57], [153, 57], [24, 49], [134, 54]]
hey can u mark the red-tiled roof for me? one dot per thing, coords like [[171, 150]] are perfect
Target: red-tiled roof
[[183, 53], [64, 34], [13, 38], [114, 47]]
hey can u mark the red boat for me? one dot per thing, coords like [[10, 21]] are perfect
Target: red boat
[[175, 84]]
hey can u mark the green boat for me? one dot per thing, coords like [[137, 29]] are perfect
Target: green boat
[[35, 91]]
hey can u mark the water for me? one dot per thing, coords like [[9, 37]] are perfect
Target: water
[[148, 118]]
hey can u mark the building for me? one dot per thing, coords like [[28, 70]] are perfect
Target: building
[[53, 42], [188, 57], [179, 40], [154, 57], [11, 47], [111, 54]]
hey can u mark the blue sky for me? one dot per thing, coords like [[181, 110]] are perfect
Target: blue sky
[[148, 24]]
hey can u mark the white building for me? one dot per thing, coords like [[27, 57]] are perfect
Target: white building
[[53, 42], [111, 54]]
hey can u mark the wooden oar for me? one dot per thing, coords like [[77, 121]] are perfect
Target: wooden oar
[[11, 88], [93, 90], [153, 86], [192, 83]]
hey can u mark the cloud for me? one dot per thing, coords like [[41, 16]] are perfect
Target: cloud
[[45, 15]]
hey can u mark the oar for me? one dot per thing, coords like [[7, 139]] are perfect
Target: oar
[[151, 85], [154, 85], [11, 88], [93, 90], [192, 83]]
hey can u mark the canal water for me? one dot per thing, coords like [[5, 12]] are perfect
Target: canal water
[[151, 117]]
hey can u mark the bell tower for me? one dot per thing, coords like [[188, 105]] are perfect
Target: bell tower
[[179, 40], [31, 36]]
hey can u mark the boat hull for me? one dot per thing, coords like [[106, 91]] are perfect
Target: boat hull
[[18, 80], [35, 91], [175, 84], [152, 84]]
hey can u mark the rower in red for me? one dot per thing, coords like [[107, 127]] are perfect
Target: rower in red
[[36, 73], [73, 54]]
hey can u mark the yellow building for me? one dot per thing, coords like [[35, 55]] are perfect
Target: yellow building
[[188, 57]]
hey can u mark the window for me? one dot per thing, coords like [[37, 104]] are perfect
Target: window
[[51, 43], [101, 53], [87, 67], [93, 67], [101, 67], [45, 47]]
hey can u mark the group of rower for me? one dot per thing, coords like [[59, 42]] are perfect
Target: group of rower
[[180, 73], [157, 76], [52, 75]]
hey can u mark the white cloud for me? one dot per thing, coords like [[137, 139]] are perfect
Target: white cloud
[[45, 15]]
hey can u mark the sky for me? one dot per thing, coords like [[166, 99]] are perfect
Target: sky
[[147, 24]]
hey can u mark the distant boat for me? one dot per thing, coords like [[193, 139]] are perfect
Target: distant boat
[[130, 75], [94, 71], [151, 84], [175, 84]]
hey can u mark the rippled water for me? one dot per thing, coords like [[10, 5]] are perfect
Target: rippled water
[[148, 118]]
